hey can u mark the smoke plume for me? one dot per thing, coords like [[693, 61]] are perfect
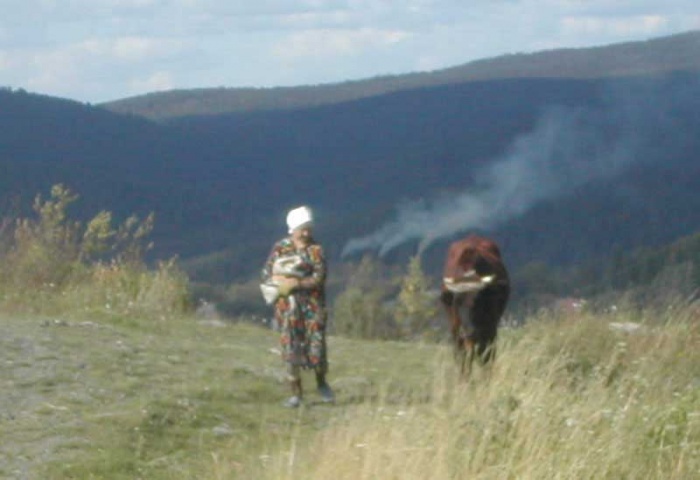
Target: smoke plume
[[567, 148]]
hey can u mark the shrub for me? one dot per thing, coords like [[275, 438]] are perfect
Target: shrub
[[52, 264], [362, 314], [416, 308], [361, 310]]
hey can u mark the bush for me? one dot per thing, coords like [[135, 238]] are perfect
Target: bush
[[417, 309], [361, 310], [52, 264], [362, 314]]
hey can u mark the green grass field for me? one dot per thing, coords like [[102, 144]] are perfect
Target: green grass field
[[180, 399]]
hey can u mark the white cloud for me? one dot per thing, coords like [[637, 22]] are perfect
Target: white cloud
[[688, 22], [110, 4], [27, 11], [142, 48], [96, 50], [315, 19], [90, 66], [155, 82], [618, 27], [328, 43]]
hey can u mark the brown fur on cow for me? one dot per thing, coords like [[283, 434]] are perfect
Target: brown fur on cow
[[475, 291]]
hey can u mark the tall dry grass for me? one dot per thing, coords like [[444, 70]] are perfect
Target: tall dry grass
[[568, 398]]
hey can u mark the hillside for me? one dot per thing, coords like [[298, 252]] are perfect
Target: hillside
[[656, 56], [613, 158]]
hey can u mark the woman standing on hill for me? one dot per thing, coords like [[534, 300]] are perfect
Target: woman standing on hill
[[296, 267]]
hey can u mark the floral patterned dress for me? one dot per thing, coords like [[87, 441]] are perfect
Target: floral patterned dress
[[301, 316]]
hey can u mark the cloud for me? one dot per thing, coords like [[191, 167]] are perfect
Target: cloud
[[157, 81], [85, 62], [4, 61], [141, 48], [100, 51], [618, 27], [328, 43], [73, 11]]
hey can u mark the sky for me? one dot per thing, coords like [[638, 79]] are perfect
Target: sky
[[102, 50]]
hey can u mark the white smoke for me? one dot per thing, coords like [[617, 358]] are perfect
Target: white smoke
[[566, 149]]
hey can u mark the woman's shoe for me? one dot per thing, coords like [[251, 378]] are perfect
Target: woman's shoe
[[326, 393], [292, 402]]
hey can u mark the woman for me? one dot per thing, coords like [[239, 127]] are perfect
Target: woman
[[297, 267]]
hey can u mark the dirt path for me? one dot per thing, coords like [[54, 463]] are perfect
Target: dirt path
[[43, 389]]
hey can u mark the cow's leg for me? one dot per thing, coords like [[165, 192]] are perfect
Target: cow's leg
[[486, 314], [491, 352], [452, 306], [466, 332], [461, 358], [457, 308], [468, 349], [458, 344], [487, 350]]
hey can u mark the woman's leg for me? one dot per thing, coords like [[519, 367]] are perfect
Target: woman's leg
[[294, 376]]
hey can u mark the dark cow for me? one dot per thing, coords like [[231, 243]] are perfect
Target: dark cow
[[475, 290]]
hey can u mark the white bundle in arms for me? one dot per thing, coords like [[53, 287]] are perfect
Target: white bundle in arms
[[287, 266]]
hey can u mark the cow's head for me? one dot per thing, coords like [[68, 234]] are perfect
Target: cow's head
[[466, 269]]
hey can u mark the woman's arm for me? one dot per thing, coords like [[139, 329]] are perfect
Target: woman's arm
[[318, 275]]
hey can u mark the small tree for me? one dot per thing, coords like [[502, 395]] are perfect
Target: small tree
[[360, 310], [361, 314], [416, 307]]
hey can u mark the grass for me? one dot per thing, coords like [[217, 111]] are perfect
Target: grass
[[177, 399]]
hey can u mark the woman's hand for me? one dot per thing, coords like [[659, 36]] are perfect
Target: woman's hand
[[285, 285]]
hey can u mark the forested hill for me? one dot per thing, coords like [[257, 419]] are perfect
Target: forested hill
[[657, 56], [563, 170], [559, 170]]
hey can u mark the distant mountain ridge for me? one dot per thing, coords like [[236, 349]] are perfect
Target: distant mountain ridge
[[680, 52]]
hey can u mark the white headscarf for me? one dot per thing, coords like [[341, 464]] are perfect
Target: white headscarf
[[298, 217]]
